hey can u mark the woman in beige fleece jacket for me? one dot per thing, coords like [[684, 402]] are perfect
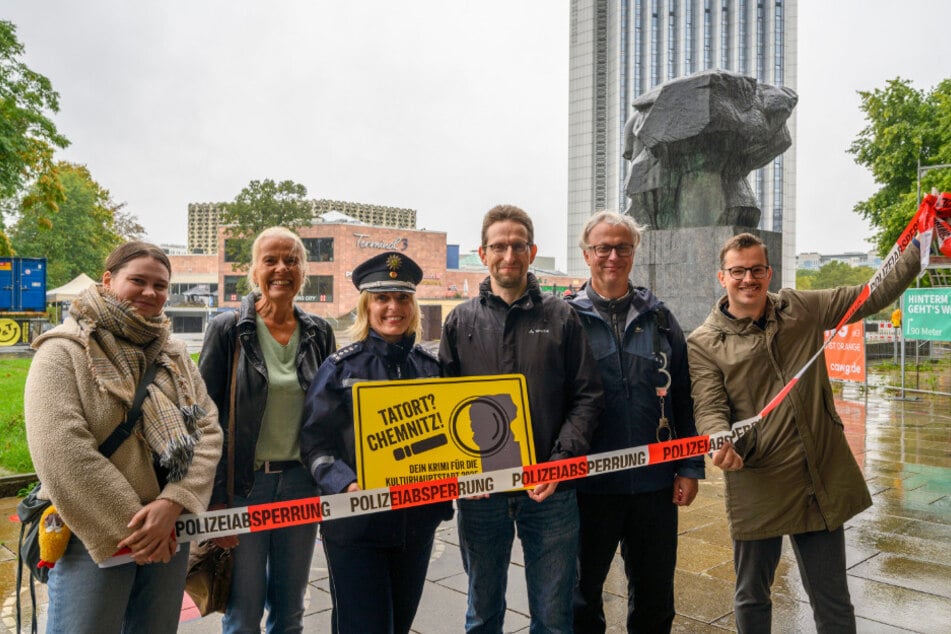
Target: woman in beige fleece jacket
[[81, 384]]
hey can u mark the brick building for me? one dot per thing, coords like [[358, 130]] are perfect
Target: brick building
[[203, 284]]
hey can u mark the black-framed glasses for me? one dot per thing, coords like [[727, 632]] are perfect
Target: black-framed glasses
[[501, 248], [739, 272], [604, 250]]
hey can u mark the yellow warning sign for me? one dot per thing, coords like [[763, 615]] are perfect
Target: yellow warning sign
[[430, 429]]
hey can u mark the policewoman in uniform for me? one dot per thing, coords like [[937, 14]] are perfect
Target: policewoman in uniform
[[377, 562]]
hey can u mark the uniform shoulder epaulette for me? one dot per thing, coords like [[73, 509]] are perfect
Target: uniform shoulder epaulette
[[426, 352], [346, 352]]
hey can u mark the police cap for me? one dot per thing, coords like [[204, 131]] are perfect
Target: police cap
[[389, 271]]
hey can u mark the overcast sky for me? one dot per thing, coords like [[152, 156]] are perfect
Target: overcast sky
[[441, 106]]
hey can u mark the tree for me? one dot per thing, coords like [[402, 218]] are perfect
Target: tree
[[28, 138], [903, 125], [835, 273], [81, 233], [260, 205], [805, 279], [126, 224]]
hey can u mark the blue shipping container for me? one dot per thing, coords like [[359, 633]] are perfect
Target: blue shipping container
[[22, 284]]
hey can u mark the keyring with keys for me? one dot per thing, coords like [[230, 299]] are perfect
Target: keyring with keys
[[661, 390]]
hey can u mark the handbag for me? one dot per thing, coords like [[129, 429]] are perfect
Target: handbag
[[31, 508], [208, 580]]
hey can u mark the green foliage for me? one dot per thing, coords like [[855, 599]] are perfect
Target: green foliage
[[833, 274], [14, 454], [260, 205], [903, 125], [80, 235], [28, 138], [805, 279]]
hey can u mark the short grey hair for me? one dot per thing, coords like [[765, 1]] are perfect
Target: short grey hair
[[612, 218]]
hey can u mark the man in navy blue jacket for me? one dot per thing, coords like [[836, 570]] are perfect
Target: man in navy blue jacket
[[642, 355]]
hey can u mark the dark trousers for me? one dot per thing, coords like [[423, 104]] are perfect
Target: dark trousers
[[377, 588], [645, 524], [821, 558]]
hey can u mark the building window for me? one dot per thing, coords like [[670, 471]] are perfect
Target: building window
[[232, 291], [624, 94], [672, 42], [760, 41], [707, 35], [778, 193], [600, 158], [319, 249], [688, 37], [741, 48], [638, 44], [780, 37], [655, 44], [317, 288], [725, 35], [760, 185]]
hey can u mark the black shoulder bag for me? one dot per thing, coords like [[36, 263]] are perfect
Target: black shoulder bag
[[31, 508]]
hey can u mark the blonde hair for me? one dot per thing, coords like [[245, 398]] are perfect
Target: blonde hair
[[360, 329], [277, 232]]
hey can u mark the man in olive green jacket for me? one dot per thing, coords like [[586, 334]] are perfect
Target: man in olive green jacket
[[794, 473]]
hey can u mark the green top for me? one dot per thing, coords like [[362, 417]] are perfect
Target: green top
[[280, 427]]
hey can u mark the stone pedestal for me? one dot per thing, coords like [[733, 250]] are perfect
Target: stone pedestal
[[680, 266]]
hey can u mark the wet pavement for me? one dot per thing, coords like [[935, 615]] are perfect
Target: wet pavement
[[899, 551]]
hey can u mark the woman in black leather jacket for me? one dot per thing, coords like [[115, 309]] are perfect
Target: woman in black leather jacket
[[279, 350], [377, 562]]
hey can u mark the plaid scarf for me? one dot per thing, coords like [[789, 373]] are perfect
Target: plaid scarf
[[120, 344]]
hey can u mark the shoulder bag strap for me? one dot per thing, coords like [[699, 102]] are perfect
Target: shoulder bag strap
[[124, 430], [231, 423]]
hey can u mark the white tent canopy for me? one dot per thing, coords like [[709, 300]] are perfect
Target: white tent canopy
[[71, 290]]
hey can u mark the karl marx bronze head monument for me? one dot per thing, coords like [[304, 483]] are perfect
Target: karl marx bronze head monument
[[692, 142]]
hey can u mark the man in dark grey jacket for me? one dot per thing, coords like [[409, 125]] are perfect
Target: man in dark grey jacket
[[511, 328]]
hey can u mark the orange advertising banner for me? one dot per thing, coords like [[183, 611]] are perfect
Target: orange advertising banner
[[845, 356]]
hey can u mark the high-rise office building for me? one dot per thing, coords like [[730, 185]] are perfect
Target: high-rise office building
[[621, 49]]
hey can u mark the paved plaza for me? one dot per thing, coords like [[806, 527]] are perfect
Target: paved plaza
[[899, 551]]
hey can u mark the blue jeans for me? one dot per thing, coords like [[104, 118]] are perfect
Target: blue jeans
[[549, 535], [271, 568], [129, 598], [821, 558]]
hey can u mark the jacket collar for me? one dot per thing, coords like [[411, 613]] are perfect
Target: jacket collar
[[532, 295], [393, 352], [643, 301], [720, 321], [247, 316]]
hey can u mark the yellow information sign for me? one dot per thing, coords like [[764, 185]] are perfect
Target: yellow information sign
[[430, 429]]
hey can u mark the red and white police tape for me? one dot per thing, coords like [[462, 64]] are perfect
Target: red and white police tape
[[264, 517]]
